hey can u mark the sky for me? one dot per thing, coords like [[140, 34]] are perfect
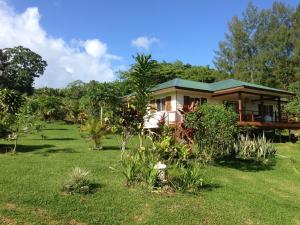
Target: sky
[[93, 40]]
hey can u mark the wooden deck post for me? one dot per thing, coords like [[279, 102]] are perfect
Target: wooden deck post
[[279, 109], [280, 137], [252, 116], [262, 108], [240, 103]]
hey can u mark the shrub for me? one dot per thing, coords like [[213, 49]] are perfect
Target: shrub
[[79, 182], [96, 131], [214, 128], [187, 178], [144, 166], [168, 147], [139, 166], [130, 168], [169, 150], [258, 149]]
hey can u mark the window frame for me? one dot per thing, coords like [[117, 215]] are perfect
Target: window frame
[[160, 104]]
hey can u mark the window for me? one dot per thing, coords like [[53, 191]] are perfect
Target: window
[[266, 109], [232, 105], [160, 105], [196, 101], [188, 101], [203, 101]]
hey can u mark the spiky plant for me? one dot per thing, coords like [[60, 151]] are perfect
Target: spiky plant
[[96, 131], [258, 149], [78, 182]]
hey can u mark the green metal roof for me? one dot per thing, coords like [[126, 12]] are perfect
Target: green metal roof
[[232, 83], [212, 87], [186, 84]]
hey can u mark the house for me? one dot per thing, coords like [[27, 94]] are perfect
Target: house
[[256, 105]]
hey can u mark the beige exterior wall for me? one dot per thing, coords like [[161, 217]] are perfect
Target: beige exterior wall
[[177, 101], [173, 99]]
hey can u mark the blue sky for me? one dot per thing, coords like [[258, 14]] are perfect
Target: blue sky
[[184, 30]]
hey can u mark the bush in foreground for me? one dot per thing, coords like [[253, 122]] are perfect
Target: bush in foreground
[[187, 178], [138, 167], [79, 182], [141, 167], [258, 149], [214, 129]]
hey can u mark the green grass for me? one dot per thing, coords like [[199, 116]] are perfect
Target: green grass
[[31, 180]]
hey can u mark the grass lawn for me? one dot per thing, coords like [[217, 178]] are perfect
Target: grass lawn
[[30, 184]]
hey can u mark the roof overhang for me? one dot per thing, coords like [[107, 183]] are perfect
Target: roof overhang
[[253, 91], [174, 88]]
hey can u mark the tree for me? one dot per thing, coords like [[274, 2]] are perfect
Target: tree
[[140, 77], [20, 123], [10, 103], [126, 123], [48, 104], [164, 71], [293, 107], [261, 46], [3, 62], [19, 67]]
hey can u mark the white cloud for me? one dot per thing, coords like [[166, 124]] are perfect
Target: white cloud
[[95, 48], [144, 42], [85, 60]]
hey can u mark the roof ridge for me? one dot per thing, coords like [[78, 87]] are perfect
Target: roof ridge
[[212, 87]]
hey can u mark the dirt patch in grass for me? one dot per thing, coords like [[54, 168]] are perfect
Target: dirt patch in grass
[[174, 208], [45, 216], [11, 206], [296, 221], [74, 222], [248, 222], [7, 221], [207, 221], [141, 216]]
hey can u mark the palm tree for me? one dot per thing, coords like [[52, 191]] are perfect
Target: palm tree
[[140, 78], [96, 131]]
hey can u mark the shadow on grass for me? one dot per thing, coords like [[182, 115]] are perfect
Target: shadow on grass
[[107, 137], [58, 150], [92, 188], [53, 139], [60, 139], [245, 165], [95, 186], [210, 186], [111, 147], [56, 129], [23, 148]]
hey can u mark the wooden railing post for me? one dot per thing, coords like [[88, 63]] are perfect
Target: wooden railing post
[[279, 109], [262, 108], [240, 107]]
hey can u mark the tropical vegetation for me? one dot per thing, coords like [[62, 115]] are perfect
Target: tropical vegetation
[[156, 168]]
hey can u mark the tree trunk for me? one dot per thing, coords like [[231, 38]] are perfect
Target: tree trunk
[[141, 139], [125, 137], [16, 143]]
